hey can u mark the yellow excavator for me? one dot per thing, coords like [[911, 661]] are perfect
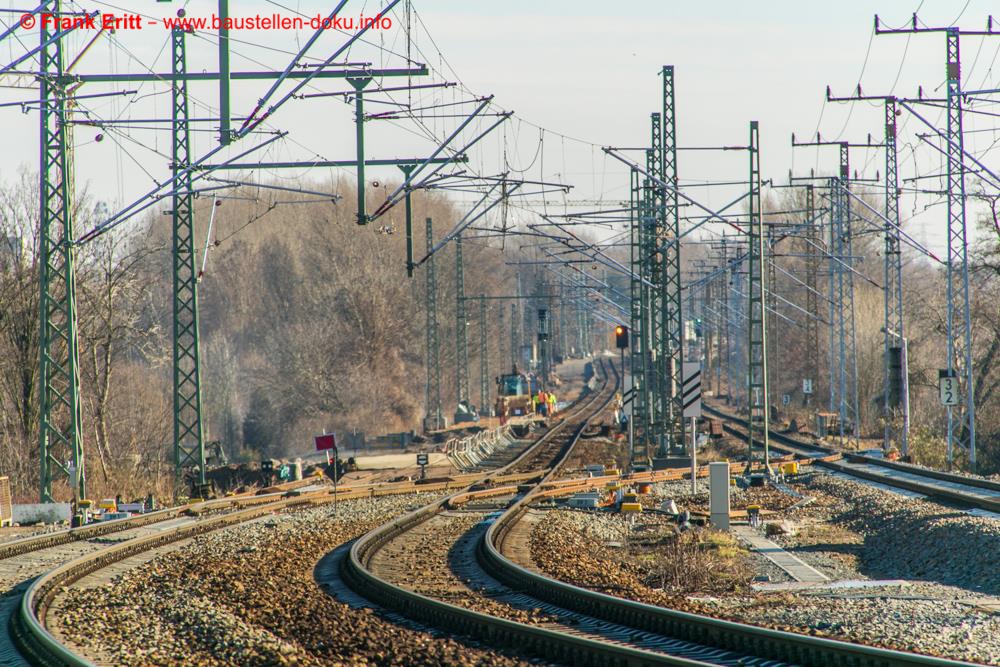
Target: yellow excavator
[[514, 395]]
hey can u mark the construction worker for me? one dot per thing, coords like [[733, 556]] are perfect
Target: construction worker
[[534, 403], [543, 403], [551, 398]]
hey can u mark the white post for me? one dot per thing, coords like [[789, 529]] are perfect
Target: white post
[[694, 456], [718, 475]]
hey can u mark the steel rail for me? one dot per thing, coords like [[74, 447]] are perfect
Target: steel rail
[[730, 635], [551, 644], [40, 647], [809, 449]]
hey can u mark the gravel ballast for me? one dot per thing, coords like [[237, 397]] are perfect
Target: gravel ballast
[[947, 605], [245, 595]]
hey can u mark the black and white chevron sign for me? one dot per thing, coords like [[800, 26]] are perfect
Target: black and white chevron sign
[[628, 396], [691, 388]]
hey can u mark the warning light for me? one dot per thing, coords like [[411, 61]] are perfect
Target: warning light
[[621, 337]]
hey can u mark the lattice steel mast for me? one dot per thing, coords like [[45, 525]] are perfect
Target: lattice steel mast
[[672, 336], [189, 442], [60, 441], [432, 352], [655, 306], [461, 340], [812, 235], [484, 369], [637, 355], [893, 398], [959, 311], [961, 427], [757, 399]]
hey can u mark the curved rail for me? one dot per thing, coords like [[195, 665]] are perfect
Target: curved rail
[[744, 638], [552, 644], [38, 542], [847, 463], [27, 625], [40, 647]]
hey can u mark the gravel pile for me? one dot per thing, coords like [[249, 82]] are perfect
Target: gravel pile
[[246, 595], [923, 618], [917, 539], [948, 607]]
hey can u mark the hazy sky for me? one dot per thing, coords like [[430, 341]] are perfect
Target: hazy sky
[[585, 71]]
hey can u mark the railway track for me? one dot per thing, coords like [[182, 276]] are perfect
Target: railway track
[[971, 491], [24, 559], [530, 612], [443, 544], [77, 554], [476, 588], [36, 644]]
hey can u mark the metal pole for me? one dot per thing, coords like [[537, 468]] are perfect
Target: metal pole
[[359, 84], [461, 341], [433, 349], [694, 455], [484, 374], [959, 340], [892, 286], [757, 395], [672, 347], [60, 440], [189, 441], [225, 132], [812, 294], [407, 169]]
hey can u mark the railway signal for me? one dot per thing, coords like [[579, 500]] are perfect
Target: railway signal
[[621, 337]]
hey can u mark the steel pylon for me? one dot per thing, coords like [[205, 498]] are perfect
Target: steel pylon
[[461, 335], [961, 426], [432, 349], [756, 322], [892, 328], [189, 443], [60, 440]]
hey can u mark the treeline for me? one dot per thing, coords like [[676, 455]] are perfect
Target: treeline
[[308, 322]]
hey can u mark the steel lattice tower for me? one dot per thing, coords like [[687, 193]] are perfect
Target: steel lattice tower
[[757, 398], [461, 340], [961, 427], [962, 433], [637, 353], [670, 251], [189, 443], [514, 346], [892, 282], [655, 305], [432, 352], [812, 235], [563, 326], [60, 441], [501, 339], [847, 361], [484, 369], [771, 302], [728, 332]]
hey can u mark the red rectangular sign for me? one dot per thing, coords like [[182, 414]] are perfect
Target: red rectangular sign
[[325, 442]]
